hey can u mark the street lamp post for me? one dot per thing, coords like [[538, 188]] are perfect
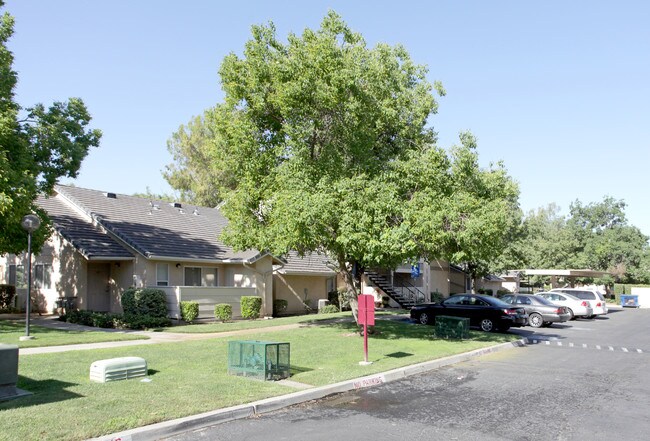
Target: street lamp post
[[30, 223]]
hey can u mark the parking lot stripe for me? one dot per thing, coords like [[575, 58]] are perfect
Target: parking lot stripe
[[598, 347], [559, 343], [584, 345], [611, 348], [570, 345], [639, 351], [624, 349]]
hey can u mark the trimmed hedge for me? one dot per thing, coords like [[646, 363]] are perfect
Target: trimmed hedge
[[7, 294], [144, 302], [110, 320], [328, 309], [251, 306], [189, 311], [223, 312]]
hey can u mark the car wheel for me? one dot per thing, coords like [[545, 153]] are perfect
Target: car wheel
[[424, 318], [570, 311], [487, 325], [535, 320]]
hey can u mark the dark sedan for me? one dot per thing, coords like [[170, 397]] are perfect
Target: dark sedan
[[485, 312], [541, 311]]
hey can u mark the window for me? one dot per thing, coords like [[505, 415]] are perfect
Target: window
[[192, 276], [17, 276], [43, 276], [198, 276], [162, 274]]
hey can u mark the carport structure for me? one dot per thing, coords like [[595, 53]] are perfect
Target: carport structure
[[569, 274]]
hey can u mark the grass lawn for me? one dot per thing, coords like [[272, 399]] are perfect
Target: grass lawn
[[191, 377], [11, 331], [237, 325]]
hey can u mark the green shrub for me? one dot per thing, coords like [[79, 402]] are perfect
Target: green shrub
[[279, 306], [251, 306], [102, 320], [147, 302], [223, 312], [437, 297], [80, 317], [328, 309], [189, 311], [7, 294], [131, 321]]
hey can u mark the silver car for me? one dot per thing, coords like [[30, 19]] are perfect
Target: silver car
[[541, 312], [575, 306]]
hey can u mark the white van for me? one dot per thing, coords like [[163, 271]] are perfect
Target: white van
[[596, 298]]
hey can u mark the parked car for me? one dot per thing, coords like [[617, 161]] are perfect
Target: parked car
[[596, 298], [541, 312], [485, 312], [575, 306]]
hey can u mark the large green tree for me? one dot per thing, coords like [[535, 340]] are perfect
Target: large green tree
[[38, 145], [328, 146], [606, 240], [193, 173]]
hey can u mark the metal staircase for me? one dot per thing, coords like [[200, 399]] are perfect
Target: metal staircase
[[406, 295]]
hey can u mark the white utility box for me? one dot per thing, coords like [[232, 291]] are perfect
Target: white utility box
[[113, 369]]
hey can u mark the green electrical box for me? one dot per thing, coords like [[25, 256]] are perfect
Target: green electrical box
[[452, 327], [262, 360]]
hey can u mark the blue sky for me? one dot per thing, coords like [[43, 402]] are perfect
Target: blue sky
[[557, 90]]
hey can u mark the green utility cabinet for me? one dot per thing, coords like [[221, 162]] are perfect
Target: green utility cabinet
[[262, 360], [452, 327]]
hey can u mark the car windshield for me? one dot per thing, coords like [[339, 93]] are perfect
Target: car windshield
[[543, 300]]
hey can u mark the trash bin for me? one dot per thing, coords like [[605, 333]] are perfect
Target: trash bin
[[630, 300], [263, 360]]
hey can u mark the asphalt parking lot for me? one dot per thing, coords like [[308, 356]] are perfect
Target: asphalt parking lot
[[584, 379]]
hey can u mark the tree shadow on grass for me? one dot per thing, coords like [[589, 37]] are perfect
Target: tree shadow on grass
[[44, 392], [401, 329], [299, 370]]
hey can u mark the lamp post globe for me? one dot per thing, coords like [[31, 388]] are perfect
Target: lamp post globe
[[30, 223]]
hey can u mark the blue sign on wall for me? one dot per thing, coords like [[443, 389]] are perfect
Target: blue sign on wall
[[415, 270]]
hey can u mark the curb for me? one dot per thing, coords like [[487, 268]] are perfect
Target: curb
[[173, 427]]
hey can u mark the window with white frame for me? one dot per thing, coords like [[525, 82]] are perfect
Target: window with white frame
[[162, 274], [43, 276], [201, 276]]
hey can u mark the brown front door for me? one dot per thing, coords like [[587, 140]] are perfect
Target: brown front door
[[99, 297]]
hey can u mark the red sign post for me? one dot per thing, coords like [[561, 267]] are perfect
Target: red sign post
[[366, 318]]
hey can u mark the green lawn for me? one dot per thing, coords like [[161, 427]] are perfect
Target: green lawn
[[12, 330], [237, 325], [191, 377]]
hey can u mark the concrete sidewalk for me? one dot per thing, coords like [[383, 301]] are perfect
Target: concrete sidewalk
[[152, 337]]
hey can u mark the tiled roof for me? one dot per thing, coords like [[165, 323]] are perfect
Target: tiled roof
[[89, 239], [312, 263], [158, 229]]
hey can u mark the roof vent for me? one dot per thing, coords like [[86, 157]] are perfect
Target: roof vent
[[154, 206], [195, 212], [110, 195], [176, 205]]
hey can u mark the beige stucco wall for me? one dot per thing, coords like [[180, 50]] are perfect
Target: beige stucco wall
[[299, 290]]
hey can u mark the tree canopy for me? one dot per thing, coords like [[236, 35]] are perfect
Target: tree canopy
[[323, 144], [38, 145], [594, 236]]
